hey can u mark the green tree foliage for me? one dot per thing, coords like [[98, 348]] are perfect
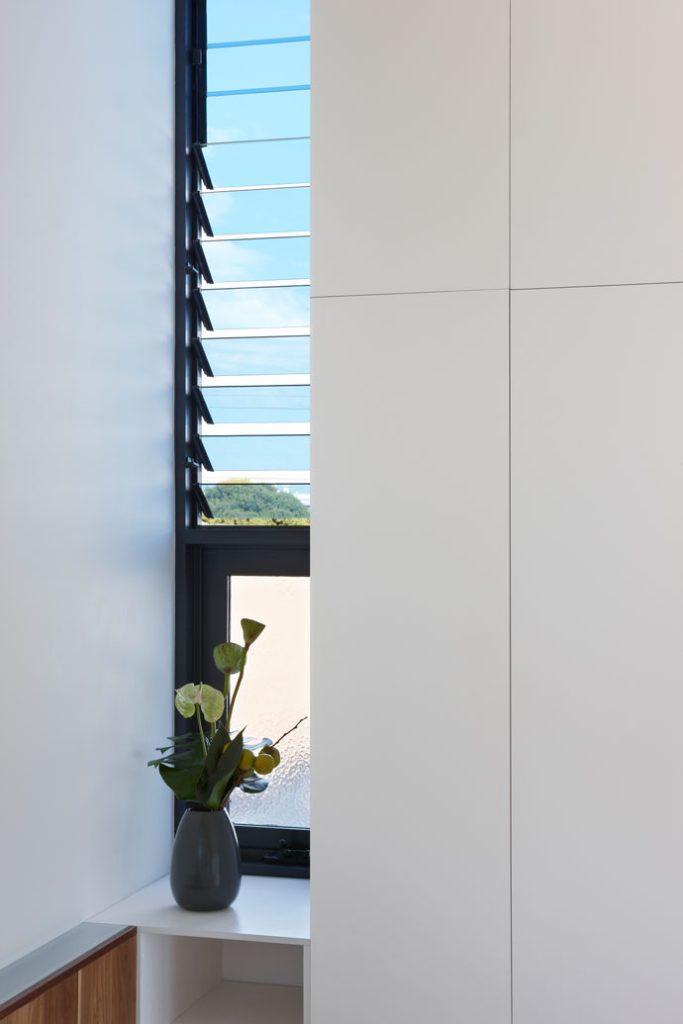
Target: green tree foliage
[[257, 504]]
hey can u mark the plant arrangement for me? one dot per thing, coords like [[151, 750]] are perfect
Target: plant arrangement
[[204, 767]]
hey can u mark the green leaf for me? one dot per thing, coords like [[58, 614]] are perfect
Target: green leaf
[[183, 781], [251, 630], [220, 740], [253, 784], [212, 703], [183, 756], [219, 780], [186, 699], [230, 758]]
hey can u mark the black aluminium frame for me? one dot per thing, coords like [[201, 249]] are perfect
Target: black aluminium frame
[[205, 557]]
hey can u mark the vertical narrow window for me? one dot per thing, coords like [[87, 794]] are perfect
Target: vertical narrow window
[[254, 397], [243, 380]]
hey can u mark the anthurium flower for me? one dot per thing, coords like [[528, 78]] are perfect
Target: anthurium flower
[[251, 630], [229, 657], [210, 700]]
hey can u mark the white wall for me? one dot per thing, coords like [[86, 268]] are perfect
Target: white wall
[[410, 674], [86, 288]]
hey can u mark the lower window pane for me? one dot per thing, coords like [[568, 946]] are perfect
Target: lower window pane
[[275, 693]]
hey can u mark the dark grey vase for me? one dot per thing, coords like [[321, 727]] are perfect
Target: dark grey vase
[[206, 871]]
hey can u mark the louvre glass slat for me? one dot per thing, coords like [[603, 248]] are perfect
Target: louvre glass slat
[[280, 115], [258, 66], [264, 259], [249, 455], [259, 210], [246, 503], [281, 404], [265, 19], [280, 162], [259, 307], [247, 356]]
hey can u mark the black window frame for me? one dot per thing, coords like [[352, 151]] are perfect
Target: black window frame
[[205, 556]]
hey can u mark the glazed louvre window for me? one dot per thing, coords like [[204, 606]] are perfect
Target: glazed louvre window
[[242, 380], [253, 260]]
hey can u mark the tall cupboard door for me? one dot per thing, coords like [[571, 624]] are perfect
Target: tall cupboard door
[[597, 655], [596, 154], [411, 399]]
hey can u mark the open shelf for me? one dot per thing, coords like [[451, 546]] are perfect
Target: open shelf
[[248, 964], [238, 1003]]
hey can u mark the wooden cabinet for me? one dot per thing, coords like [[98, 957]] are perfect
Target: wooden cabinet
[[107, 987], [57, 1005], [97, 988]]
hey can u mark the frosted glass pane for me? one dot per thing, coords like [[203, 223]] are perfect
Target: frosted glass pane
[[276, 693]]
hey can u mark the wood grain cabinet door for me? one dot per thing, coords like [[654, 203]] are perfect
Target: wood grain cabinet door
[[107, 987], [58, 1005]]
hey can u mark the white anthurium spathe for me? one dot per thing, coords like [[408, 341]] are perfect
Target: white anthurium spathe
[[186, 699], [208, 698]]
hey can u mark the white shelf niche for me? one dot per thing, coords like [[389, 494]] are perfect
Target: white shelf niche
[[188, 980], [244, 1003], [245, 965]]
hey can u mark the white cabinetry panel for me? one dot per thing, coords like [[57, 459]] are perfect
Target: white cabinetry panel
[[597, 149], [410, 146], [410, 806], [597, 655]]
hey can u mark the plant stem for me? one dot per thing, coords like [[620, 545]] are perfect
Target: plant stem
[[201, 729], [290, 730], [237, 689], [226, 694]]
